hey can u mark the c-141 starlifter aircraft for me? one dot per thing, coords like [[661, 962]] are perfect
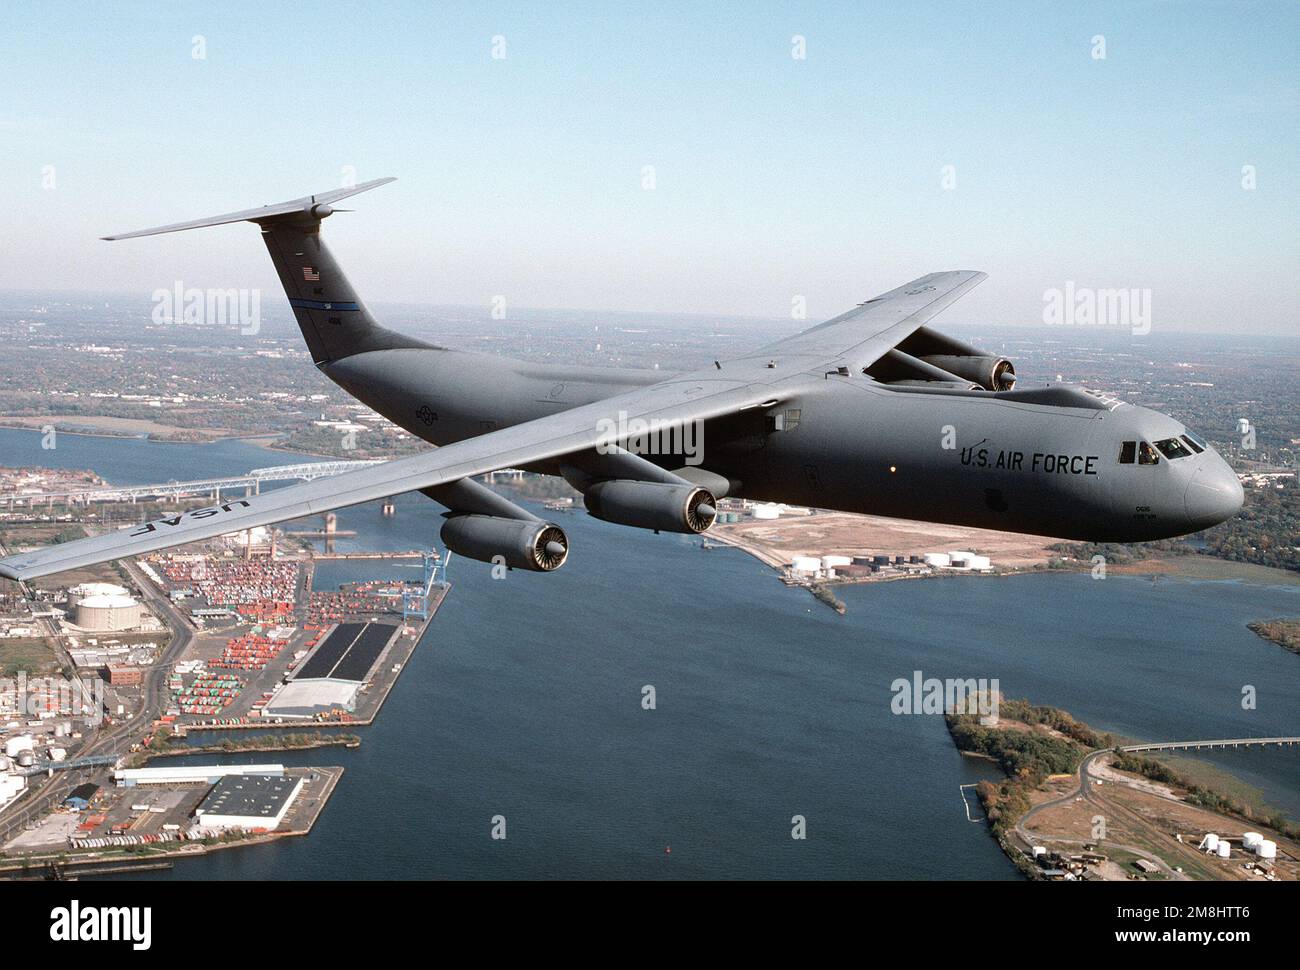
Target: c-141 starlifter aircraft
[[871, 412]]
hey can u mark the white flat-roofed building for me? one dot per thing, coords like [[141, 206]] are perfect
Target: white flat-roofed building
[[247, 802], [305, 698], [189, 774]]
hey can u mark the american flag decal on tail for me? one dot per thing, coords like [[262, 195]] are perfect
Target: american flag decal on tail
[[311, 274]]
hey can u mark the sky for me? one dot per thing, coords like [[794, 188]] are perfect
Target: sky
[[671, 158]]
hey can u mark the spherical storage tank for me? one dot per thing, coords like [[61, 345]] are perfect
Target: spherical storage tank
[[1267, 849], [108, 612]]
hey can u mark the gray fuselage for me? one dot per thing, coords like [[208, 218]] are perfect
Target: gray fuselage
[[1045, 462]]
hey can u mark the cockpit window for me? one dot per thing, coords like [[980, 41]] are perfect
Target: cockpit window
[[1195, 442], [1147, 455], [1127, 452], [1173, 448]]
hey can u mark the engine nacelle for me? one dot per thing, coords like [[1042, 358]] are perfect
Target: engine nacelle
[[521, 543], [989, 372], [661, 506]]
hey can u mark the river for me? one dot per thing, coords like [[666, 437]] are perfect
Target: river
[[524, 701]]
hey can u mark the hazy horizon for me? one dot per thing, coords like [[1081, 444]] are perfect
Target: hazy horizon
[[682, 160]]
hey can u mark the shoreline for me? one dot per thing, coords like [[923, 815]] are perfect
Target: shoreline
[[1196, 567]]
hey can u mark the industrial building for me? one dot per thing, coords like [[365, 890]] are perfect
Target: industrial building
[[248, 802], [79, 798], [307, 698], [123, 675], [189, 774], [333, 673]]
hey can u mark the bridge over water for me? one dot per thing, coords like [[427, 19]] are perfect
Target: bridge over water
[[1221, 743], [251, 483]]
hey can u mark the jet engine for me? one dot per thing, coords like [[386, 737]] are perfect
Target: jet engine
[[989, 372], [960, 359], [661, 506], [521, 543]]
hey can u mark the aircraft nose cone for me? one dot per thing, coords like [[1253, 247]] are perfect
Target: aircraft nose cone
[[1213, 495]]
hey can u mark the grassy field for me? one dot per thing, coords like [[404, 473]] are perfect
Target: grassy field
[[30, 654], [1207, 567]]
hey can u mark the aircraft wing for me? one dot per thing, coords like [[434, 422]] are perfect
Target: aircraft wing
[[868, 331], [682, 399]]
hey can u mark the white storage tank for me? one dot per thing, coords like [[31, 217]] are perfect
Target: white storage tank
[[806, 564], [1251, 840], [980, 562], [80, 592], [1210, 843], [1224, 850], [16, 745], [1267, 849], [834, 562], [937, 559], [107, 613]]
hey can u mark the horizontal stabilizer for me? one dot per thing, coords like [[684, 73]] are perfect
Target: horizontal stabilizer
[[314, 206]]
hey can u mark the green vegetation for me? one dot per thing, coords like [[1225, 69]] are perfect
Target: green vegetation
[[1266, 531], [1285, 633], [1202, 797], [30, 654], [824, 595], [1028, 756]]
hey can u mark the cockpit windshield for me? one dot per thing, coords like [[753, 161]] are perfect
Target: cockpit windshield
[[1197, 443], [1174, 448]]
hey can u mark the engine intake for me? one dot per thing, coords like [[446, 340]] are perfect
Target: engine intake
[[661, 506], [521, 543]]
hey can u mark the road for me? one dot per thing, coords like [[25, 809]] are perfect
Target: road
[[1084, 790], [116, 738]]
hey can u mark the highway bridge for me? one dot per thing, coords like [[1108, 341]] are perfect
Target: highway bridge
[[1222, 743], [251, 483]]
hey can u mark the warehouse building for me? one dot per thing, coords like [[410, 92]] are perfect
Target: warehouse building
[[189, 774], [79, 798], [307, 698], [247, 802]]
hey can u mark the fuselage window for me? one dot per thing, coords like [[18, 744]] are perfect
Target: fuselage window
[[1173, 448], [1147, 455], [1191, 443], [1127, 452]]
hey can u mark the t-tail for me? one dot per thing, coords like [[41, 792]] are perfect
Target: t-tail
[[334, 321]]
